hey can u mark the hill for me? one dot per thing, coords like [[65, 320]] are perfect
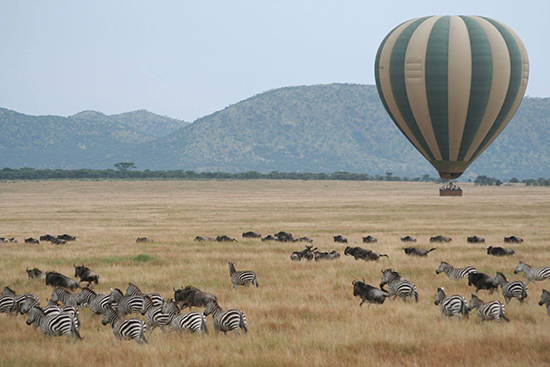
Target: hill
[[320, 128]]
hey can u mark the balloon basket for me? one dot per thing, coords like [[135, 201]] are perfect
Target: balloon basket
[[446, 192]]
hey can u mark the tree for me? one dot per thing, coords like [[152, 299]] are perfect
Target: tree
[[125, 166], [514, 180]]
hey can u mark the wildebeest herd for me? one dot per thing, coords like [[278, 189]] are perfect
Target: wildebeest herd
[[55, 319]]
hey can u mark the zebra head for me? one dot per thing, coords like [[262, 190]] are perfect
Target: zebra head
[[387, 276], [544, 298], [521, 267], [475, 302], [231, 267], [29, 304], [500, 279], [170, 306], [56, 293], [442, 267], [440, 295], [34, 315], [210, 307], [110, 316]]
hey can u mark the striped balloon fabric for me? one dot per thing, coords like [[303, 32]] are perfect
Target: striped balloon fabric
[[451, 84]]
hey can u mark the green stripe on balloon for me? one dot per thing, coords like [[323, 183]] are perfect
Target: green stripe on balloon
[[437, 84], [482, 76], [513, 88], [397, 80]]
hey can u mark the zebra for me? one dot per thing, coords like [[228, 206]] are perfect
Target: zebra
[[99, 304], [7, 291], [86, 297], [516, 289], [455, 274], [54, 325], [19, 300], [192, 321], [452, 305], [242, 277], [6, 304], [125, 329], [52, 308], [65, 297], [129, 304], [533, 274], [153, 315], [545, 300], [133, 290], [226, 321], [398, 286], [493, 310]]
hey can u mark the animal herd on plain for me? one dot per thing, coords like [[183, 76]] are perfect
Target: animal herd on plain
[[60, 315]]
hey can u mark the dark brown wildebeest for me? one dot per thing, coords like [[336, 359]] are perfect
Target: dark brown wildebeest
[[305, 239], [35, 273], [500, 251], [47, 237], [192, 297], [67, 237], [32, 240], [415, 251], [58, 241], [270, 238], [441, 239], [368, 293], [365, 254], [143, 239], [225, 238], [204, 239], [476, 239], [408, 239], [340, 239], [513, 239], [369, 239], [251, 234], [482, 281], [85, 274], [57, 279]]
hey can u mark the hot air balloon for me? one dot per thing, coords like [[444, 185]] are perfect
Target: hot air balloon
[[451, 84]]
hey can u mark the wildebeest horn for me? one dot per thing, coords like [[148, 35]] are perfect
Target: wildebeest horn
[[174, 289], [354, 282], [364, 280], [27, 269], [74, 265]]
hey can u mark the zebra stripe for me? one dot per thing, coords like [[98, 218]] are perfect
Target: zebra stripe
[[192, 321], [154, 317], [226, 321], [452, 305], [242, 277], [455, 274], [398, 286], [99, 305], [533, 274], [86, 297], [125, 329], [130, 304], [54, 325], [516, 289], [493, 310], [6, 304], [65, 297], [133, 290]]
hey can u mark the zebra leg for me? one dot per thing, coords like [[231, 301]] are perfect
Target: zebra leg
[[236, 331], [507, 300]]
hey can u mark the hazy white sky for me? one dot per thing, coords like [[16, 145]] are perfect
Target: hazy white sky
[[187, 59]]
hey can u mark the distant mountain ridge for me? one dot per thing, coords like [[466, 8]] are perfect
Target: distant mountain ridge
[[320, 128]]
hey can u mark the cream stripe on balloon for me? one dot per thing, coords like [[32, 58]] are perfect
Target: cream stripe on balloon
[[415, 82], [499, 84], [385, 84], [459, 81]]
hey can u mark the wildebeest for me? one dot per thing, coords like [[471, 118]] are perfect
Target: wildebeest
[[204, 239], [476, 239], [369, 239], [47, 237], [56, 279], [85, 274], [364, 254], [482, 281], [32, 240], [225, 238], [251, 234], [408, 239], [305, 239], [325, 255], [192, 297], [67, 237], [440, 238], [13, 240], [513, 239], [340, 239], [270, 237], [368, 293], [415, 251], [499, 251], [143, 239], [307, 253], [35, 273], [58, 241]]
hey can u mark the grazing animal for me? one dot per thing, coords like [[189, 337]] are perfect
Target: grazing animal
[[6, 304], [516, 289], [47, 237], [65, 297], [295, 256], [204, 239], [364, 254], [143, 239], [368, 293], [408, 239], [192, 297], [13, 240], [7, 291], [59, 280], [225, 238], [154, 317], [225, 321], [398, 286], [192, 321], [270, 238], [99, 304], [35, 273], [58, 241], [86, 297], [441, 239], [285, 237], [332, 255], [533, 274], [455, 274], [476, 239], [85, 274], [63, 323], [32, 240], [452, 305], [482, 281], [545, 300], [513, 239], [340, 239], [499, 251], [369, 239], [245, 277], [66, 237], [493, 310], [18, 301], [308, 253], [251, 234], [133, 290], [125, 329], [305, 239], [415, 251]]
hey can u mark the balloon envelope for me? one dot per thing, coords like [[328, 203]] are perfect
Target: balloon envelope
[[451, 84]]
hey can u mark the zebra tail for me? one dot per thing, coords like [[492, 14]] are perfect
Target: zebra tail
[[465, 310], [242, 324], [524, 293], [256, 282], [74, 329], [142, 334], [415, 296], [502, 313], [430, 250], [204, 325]]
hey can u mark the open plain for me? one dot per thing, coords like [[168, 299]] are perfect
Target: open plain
[[303, 313]]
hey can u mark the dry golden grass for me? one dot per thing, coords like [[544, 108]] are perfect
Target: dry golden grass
[[303, 313]]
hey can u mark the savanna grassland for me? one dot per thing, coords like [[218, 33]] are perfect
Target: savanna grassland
[[303, 313]]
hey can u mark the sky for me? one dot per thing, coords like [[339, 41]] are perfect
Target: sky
[[188, 59]]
